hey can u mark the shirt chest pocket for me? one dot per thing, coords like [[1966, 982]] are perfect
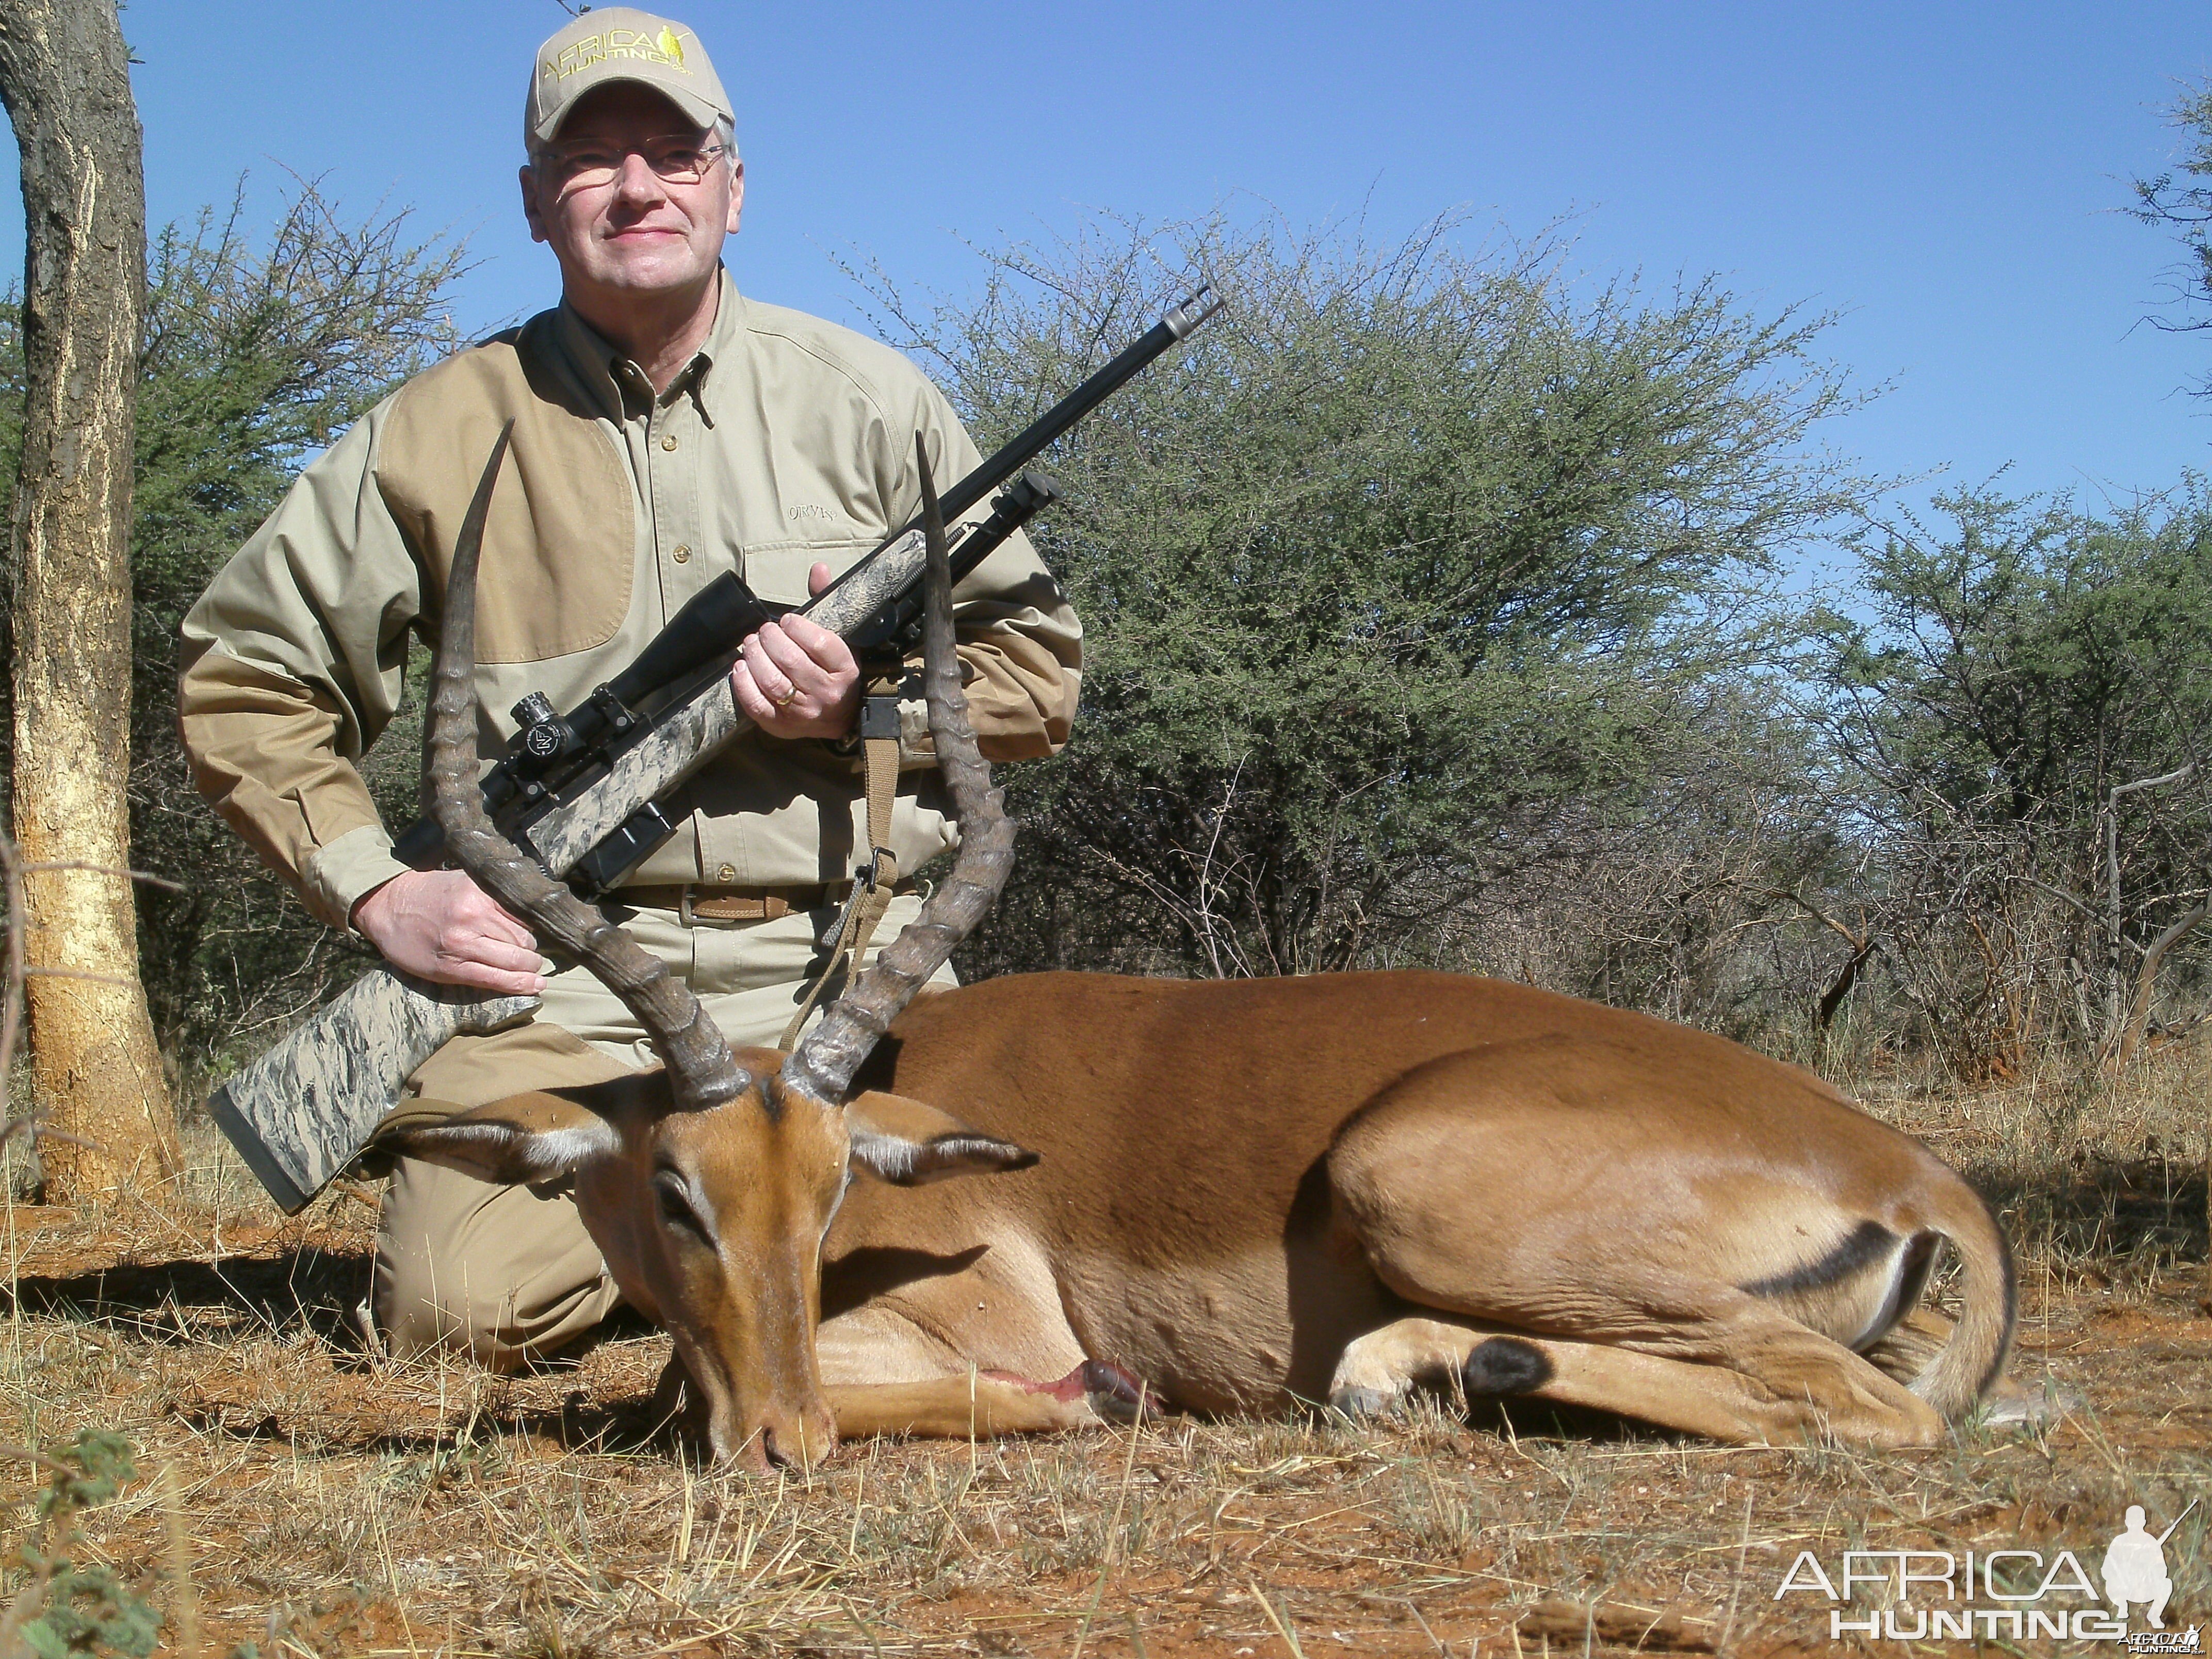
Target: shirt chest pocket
[[777, 570]]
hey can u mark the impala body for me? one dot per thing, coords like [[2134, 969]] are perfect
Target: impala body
[[1340, 1188]]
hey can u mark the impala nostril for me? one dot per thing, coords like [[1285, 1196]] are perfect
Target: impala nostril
[[770, 1449]]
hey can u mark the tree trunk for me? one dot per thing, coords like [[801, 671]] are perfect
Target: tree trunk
[[2138, 1018], [66, 83]]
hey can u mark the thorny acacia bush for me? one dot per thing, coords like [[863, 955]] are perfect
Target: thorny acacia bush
[[2184, 206], [2009, 677], [1417, 580], [258, 351]]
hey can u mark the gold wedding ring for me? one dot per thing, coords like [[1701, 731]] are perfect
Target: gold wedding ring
[[784, 701]]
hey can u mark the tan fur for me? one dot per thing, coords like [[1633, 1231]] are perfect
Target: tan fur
[[1240, 1180]]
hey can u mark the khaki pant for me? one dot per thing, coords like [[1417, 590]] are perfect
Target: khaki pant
[[508, 1273]]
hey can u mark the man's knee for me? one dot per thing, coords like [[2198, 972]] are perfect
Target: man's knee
[[505, 1274]]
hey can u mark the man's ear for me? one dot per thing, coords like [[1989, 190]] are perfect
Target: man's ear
[[906, 1143], [531, 216], [534, 1137], [737, 198]]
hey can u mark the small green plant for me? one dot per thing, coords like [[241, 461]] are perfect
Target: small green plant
[[65, 1608]]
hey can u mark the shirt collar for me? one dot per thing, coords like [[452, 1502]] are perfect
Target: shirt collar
[[615, 382]]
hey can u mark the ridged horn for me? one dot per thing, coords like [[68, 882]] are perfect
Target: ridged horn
[[828, 1057], [700, 1071]]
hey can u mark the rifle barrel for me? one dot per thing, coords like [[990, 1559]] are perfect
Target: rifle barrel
[[1019, 452]]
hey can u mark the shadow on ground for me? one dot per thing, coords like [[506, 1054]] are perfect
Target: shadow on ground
[[155, 1300]]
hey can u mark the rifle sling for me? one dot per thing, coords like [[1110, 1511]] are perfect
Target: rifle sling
[[874, 882]]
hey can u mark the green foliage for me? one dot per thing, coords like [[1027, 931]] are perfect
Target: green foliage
[[2011, 670], [257, 353], [2017, 665], [66, 1608], [1407, 576]]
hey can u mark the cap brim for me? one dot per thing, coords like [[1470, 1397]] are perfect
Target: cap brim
[[700, 111]]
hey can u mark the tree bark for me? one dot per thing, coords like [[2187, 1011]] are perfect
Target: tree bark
[[65, 80], [2119, 1013]]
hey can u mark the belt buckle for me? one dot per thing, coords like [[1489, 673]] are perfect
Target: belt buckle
[[683, 911]]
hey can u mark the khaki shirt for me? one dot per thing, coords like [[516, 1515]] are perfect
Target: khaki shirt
[[785, 441]]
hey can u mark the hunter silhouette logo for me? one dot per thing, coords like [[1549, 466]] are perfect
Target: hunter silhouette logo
[[671, 47], [2135, 1571]]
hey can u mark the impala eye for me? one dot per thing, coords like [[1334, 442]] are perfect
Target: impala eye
[[676, 1209]]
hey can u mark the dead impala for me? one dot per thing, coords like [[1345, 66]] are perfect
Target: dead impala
[[1251, 1193]]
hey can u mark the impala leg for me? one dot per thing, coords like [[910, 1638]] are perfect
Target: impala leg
[[982, 1404], [1380, 1371], [1675, 1353], [1745, 1375], [1715, 1401], [885, 1373]]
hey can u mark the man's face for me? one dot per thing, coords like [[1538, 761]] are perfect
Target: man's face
[[636, 234]]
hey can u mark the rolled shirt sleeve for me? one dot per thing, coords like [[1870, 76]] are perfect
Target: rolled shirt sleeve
[[294, 663]]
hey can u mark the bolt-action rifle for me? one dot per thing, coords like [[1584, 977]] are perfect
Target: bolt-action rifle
[[585, 792]]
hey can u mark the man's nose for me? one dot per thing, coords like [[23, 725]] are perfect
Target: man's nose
[[637, 183]]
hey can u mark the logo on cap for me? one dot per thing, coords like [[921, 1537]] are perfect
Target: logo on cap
[[580, 55]]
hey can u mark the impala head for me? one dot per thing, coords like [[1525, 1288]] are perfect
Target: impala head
[[710, 1184]]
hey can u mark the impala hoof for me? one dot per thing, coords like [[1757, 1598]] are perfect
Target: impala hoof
[[1113, 1393], [2012, 1404], [1362, 1404]]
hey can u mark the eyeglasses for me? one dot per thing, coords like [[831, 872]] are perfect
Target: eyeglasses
[[677, 161]]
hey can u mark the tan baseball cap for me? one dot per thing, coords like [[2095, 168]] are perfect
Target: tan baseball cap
[[620, 42]]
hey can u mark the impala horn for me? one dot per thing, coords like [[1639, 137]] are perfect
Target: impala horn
[[701, 1074], [828, 1057]]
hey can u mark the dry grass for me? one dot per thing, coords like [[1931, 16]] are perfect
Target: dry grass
[[321, 1501]]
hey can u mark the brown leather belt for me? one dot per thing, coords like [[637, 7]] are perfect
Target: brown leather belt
[[698, 902]]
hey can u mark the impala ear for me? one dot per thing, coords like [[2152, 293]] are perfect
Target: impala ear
[[534, 1136], [905, 1143]]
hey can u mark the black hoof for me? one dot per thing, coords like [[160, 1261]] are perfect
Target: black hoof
[[1505, 1366]]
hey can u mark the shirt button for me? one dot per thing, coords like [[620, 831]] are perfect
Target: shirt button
[[727, 875], [669, 442], [682, 555]]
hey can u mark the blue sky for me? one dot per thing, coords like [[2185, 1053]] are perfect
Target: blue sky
[[1950, 177]]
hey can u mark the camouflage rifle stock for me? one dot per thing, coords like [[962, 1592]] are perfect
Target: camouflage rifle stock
[[301, 1113]]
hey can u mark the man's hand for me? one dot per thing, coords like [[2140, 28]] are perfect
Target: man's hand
[[438, 925], [796, 679]]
